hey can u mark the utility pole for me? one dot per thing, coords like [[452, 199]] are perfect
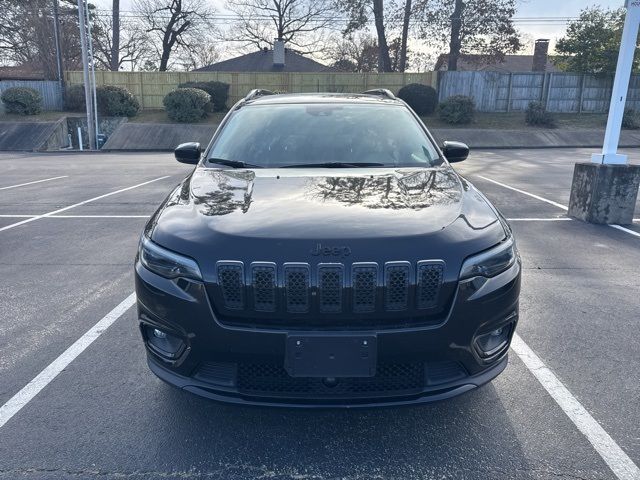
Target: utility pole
[[56, 34], [87, 82], [93, 75]]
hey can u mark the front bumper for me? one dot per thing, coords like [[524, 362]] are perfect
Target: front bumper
[[245, 365]]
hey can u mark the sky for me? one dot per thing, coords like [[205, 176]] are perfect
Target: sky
[[526, 8]]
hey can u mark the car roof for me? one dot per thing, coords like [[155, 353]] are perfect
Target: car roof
[[306, 98]]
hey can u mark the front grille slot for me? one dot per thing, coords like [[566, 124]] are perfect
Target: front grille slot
[[428, 283], [330, 284], [296, 286], [264, 281], [364, 278], [397, 276], [231, 280]]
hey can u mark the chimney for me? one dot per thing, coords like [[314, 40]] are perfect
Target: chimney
[[278, 53], [540, 54]]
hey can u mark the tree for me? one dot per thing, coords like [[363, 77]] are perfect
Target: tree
[[174, 25], [482, 27], [406, 19], [360, 53], [134, 44], [27, 35], [296, 22], [359, 12], [592, 42]]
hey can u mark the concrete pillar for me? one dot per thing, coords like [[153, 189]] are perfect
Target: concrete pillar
[[604, 193]]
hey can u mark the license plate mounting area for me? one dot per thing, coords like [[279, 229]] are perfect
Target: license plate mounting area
[[336, 356]]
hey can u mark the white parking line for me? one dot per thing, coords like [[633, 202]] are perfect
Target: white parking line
[[618, 461], [626, 230], [553, 219], [556, 204], [35, 386], [74, 216], [31, 183], [32, 219]]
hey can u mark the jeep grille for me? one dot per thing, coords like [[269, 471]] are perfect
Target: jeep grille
[[299, 294]]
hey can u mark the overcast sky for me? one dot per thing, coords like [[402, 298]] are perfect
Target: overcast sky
[[526, 8]]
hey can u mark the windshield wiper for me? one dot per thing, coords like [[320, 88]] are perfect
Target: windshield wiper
[[232, 163], [335, 165]]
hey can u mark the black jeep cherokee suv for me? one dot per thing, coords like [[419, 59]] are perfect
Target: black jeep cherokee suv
[[323, 252]]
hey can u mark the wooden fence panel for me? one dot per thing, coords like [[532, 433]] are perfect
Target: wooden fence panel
[[151, 87], [561, 92]]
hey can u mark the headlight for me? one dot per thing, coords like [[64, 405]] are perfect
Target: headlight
[[492, 262], [166, 263]]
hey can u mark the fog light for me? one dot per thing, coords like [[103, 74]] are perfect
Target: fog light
[[493, 342], [159, 333], [163, 343]]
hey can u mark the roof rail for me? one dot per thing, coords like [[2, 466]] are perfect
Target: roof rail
[[381, 92], [257, 92]]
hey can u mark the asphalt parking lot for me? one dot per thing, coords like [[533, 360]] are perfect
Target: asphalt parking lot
[[106, 416]]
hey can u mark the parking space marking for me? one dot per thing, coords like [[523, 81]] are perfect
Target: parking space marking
[[74, 216], [630, 232], [64, 209], [554, 219], [32, 183], [29, 391], [551, 202], [537, 197], [618, 461]]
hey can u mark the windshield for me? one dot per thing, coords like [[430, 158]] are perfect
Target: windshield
[[272, 136]]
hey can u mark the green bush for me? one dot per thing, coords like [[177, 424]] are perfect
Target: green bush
[[186, 104], [537, 115], [422, 98], [116, 102], [74, 98], [22, 100], [458, 109], [630, 119], [112, 101], [219, 92]]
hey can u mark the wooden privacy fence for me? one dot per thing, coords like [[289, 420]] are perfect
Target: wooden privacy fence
[[560, 92], [151, 87], [49, 89]]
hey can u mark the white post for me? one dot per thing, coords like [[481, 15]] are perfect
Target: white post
[[87, 82], [620, 87]]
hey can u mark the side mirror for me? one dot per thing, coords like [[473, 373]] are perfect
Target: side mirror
[[188, 153], [455, 151]]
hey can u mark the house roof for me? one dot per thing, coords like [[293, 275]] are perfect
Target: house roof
[[21, 72], [262, 61], [510, 63]]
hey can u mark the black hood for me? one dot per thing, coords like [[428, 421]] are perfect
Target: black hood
[[396, 214]]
